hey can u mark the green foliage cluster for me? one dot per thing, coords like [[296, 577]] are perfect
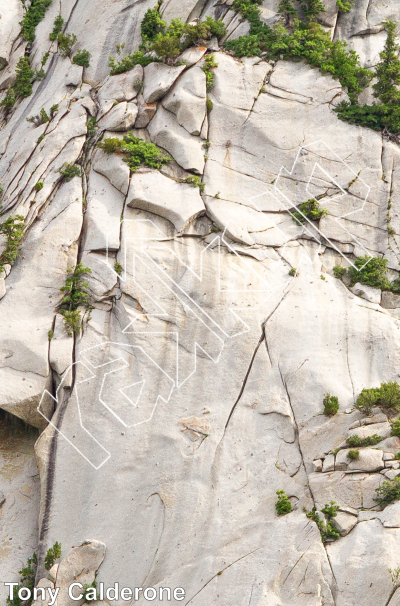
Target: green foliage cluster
[[353, 455], [87, 594], [195, 181], [386, 396], [82, 58], [65, 44], [53, 554], [13, 229], [208, 65], [397, 457], [33, 16], [28, 573], [331, 405], [75, 296], [310, 209], [325, 526], [118, 267], [57, 28], [370, 271], [39, 185], [22, 86], [128, 62], [137, 152], [166, 42], [287, 10], [91, 126], [386, 115], [344, 5], [306, 40], [339, 271], [388, 492], [292, 272], [396, 429], [369, 441], [69, 171], [43, 116], [283, 505]]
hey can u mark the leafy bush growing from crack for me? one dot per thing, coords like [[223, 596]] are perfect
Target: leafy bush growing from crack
[[353, 454], [386, 396], [22, 86], [370, 271], [57, 28], [195, 181], [82, 58], [75, 297], [344, 5], [325, 526], [310, 209], [118, 267], [65, 44], [396, 429], [283, 505], [137, 152], [386, 114], [53, 554], [339, 271], [13, 229], [388, 492], [69, 171], [355, 440], [331, 405], [208, 65], [33, 16]]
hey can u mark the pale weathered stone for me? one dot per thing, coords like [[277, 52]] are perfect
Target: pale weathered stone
[[158, 79], [187, 100], [390, 300], [329, 463], [180, 203], [120, 118], [317, 465], [114, 168], [53, 572], [79, 565], [344, 523], [367, 292]]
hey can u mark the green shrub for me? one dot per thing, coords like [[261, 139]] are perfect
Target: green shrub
[[33, 16], [353, 455], [82, 58], [397, 456], [75, 296], [287, 10], [339, 271], [13, 229], [370, 271], [396, 429], [128, 62], [388, 492], [312, 8], [369, 441], [53, 554], [137, 152], [91, 126], [65, 44], [39, 185], [209, 104], [325, 527], [283, 505], [208, 65], [152, 24], [195, 181], [310, 209], [331, 405], [118, 268], [69, 171], [27, 580], [386, 396], [50, 334], [292, 271], [367, 400], [58, 25], [87, 593], [344, 5]]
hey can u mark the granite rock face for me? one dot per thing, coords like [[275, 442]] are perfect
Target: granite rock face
[[194, 389]]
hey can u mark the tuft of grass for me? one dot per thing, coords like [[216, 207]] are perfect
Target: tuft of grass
[[69, 171], [13, 229], [82, 58], [331, 405], [75, 296], [283, 506], [39, 185], [57, 28], [137, 152], [354, 455]]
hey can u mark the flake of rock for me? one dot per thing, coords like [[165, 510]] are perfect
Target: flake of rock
[[373, 295], [80, 565], [158, 79], [187, 100], [146, 112], [53, 572], [317, 465], [388, 456], [61, 347], [192, 55], [180, 203], [392, 473], [344, 523], [114, 168], [329, 463], [120, 118], [390, 300], [185, 149]]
